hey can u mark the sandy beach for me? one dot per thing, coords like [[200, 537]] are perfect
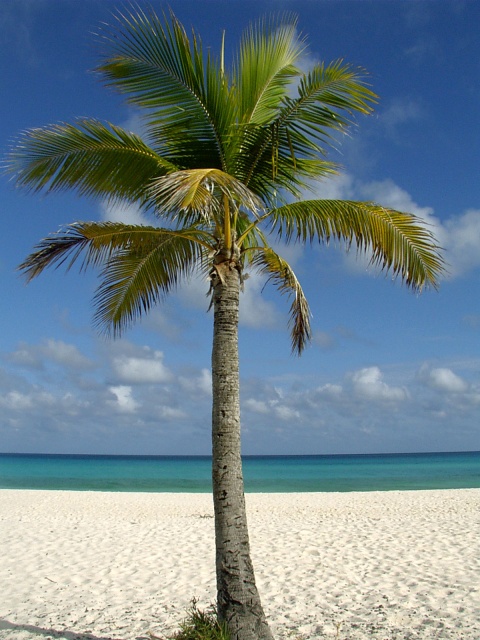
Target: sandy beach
[[350, 566]]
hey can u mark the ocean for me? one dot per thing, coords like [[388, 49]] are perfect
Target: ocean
[[263, 474]]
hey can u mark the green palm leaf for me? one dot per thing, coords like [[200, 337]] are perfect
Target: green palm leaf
[[290, 149], [397, 241], [139, 264], [325, 96], [92, 158], [137, 278], [283, 277], [196, 195], [265, 67], [185, 99]]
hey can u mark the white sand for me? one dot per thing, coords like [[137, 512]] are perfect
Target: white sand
[[352, 566]]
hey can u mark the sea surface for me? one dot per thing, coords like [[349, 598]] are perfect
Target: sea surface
[[263, 474]]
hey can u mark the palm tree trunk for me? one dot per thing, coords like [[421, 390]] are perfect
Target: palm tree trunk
[[238, 601]]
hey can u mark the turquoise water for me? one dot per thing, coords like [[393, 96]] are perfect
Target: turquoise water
[[262, 473]]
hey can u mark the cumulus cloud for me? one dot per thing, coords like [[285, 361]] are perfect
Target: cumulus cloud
[[330, 390], [124, 402], [172, 413], [286, 413], [65, 354], [257, 406], [18, 401], [198, 383], [26, 356], [193, 292], [368, 383], [148, 369], [337, 187], [389, 194], [443, 379], [367, 410], [463, 242], [272, 407], [57, 351]]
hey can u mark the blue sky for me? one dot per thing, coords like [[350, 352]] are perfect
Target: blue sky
[[387, 371]]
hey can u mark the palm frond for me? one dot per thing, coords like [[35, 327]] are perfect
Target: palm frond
[[139, 264], [92, 242], [185, 99], [291, 148], [325, 96], [196, 194], [91, 158], [398, 242], [265, 67], [137, 278], [282, 275]]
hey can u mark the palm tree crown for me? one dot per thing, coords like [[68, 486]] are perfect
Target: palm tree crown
[[224, 161]]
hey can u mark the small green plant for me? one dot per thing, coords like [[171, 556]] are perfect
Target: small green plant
[[201, 625]]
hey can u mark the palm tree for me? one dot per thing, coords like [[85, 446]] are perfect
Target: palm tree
[[223, 164]]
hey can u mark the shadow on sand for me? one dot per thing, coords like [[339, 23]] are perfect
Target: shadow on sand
[[6, 625]]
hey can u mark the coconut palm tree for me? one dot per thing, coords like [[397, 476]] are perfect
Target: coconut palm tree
[[224, 160]]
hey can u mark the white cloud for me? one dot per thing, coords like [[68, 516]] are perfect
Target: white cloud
[[274, 406], [292, 252], [195, 384], [255, 311], [338, 187], [27, 356], [463, 242], [65, 354], [128, 214], [16, 401], [362, 411], [125, 403], [399, 112], [165, 322], [193, 292], [172, 413], [62, 353], [459, 236], [141, 370], [286, 413], [330, 390], [257, 406], [443, 379], [368, 384], [323, 340]]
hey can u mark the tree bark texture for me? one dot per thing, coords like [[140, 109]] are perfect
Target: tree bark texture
[[238, 601]]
